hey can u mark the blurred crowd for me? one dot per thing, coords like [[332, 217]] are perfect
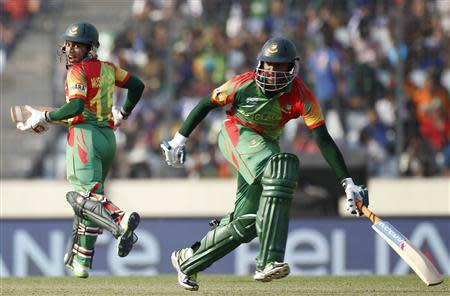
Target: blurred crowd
[[386, 102], [350, 58], [15, 15]]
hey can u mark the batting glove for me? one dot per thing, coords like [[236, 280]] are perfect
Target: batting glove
[[38, 121], [118, 116], [174, 150], [354, 192]]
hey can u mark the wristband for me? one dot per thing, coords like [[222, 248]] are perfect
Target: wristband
[[346, 182], [179, 139], [47, 116], [124, 113]]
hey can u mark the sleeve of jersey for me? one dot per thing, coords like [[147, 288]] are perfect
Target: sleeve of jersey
[[76, 84], [122, 76], [224, 94], [310, 108]]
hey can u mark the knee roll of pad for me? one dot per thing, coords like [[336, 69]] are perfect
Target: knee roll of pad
[[93, 211], [281, 175]]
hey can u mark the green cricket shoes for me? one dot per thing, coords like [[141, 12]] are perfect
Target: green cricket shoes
[[126, 241], [189, 282], [272, 271], [78, 270]]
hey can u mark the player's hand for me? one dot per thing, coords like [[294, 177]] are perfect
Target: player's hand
[[118, 116], [354, 192], [37, 122], [174, 150]]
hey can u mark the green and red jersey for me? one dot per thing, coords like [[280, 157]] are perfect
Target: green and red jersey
[[267, 115], [94, 81]]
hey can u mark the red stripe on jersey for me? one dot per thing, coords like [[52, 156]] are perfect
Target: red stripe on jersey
[[232, 131], [82, 154], [82, 137], [78, 119], [92, 69], [240, 80], [256, 128], [70, 136], [317, 124], [120, 84], [290, 103], [305, 94], [235, 162], [95, 187]]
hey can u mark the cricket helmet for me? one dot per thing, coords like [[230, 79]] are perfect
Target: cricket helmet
[[276, 50], [82, 32]]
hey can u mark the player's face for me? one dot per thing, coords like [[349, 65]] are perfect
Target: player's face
[[75, 51], [271, 70]]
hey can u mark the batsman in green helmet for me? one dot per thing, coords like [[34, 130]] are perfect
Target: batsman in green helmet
[[260, 103], [91, 144]]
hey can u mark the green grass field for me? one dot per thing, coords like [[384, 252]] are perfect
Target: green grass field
[[223, 285]]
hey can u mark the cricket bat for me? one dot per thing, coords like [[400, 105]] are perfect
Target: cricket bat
[[21, 114], [407, 251]]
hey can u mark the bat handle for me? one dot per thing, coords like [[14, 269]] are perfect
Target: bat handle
[[368, 213]]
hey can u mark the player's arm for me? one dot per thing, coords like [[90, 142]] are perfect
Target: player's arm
[[197, 114], [334, 157], [330, 151], [76, 92], [220, 97], [135, 89], [313, 118], [174, 149], [39, 120], [71, 109]]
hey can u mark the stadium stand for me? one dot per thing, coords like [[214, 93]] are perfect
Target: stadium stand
[[349, 58], [183, 49], [33, 74]]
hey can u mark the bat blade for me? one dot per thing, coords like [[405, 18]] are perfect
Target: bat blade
[[409, 253], [404, 248]]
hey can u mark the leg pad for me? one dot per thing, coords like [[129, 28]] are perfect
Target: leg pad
[[279, 183], [220, 241], [93, 211]]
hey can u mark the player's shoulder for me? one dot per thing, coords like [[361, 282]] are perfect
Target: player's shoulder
[[75, 68], [300, 89], [76, 71], [237, 81], [243, 80], [85, 65], [244, 77], [299, 84], [108, 63]]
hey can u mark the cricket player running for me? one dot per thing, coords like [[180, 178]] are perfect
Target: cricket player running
[[261, 103], [91, 144]]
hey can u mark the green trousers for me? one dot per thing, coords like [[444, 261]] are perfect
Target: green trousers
[[90, 154]]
